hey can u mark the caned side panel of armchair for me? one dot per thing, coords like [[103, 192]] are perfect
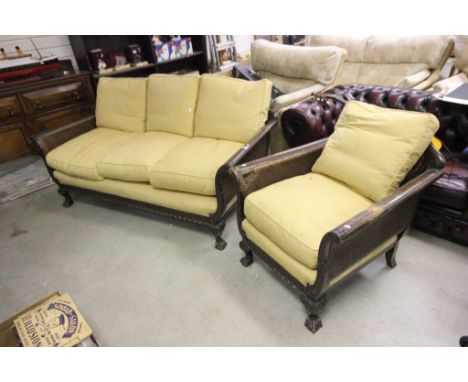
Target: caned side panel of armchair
[[343, 249]]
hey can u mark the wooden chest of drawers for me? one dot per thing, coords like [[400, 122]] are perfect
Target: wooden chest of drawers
[[46, 104]]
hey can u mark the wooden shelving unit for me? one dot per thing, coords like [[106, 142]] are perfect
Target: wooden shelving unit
[[81, 46]]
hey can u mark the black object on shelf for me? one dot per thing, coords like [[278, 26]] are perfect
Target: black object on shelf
[[82, 46]]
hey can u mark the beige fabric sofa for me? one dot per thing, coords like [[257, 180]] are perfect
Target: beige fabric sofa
[[163, 144], [460, 66], [297, 72], [403, 61]]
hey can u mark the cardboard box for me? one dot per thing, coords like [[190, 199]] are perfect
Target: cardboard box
[[52, 321]]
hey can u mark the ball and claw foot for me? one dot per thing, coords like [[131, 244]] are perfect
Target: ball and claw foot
[[313, 323], [68, 201], [247, 260], [220, 243], [390, 257]]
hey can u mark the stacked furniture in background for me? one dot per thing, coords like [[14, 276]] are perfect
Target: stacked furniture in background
[[163, 144], [296, 72], [443, 209], [318, 213], [460, 66], [41, 104], [405, 61]]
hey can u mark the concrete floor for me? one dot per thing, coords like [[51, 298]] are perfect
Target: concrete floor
[[154, 282]]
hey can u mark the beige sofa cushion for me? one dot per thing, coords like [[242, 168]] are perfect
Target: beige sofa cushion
[[143, 192], [172, 100], [387, 60], [355, 45], [121, 103], [79, 156], [134, 160], [427, 50], [373, 148], [192, 165], [461, 53], [316, 64], [231, 109], [297, 212], [389, 74]]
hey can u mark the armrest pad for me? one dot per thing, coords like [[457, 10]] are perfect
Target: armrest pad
[[48, 140], [310, 120], [414, 79], [295, 97], [451, 82]]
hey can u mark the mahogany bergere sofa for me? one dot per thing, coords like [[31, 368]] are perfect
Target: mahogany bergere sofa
[[318, 213], [164, 144]]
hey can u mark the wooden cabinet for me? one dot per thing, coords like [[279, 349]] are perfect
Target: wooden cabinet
[[81, 46], [46, 104]]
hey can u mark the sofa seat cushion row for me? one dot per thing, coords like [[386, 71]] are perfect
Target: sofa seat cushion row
[[373, 148], [192, 165], [79, 156], [296, 213], [134, 160], [143, 192]]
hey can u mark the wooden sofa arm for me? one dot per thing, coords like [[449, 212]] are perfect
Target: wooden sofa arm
[[344, 249], [46, 141], [262, 172], [256, 148]]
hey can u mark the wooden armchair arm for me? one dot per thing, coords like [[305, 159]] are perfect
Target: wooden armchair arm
[[46, 141], [262, 172], [344, 249], [256, 148]]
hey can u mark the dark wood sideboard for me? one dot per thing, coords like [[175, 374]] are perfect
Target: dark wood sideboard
[[48, 103]]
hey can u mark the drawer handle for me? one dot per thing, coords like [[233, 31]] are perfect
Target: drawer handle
[[11, 112], [37, 105], [77, 95]]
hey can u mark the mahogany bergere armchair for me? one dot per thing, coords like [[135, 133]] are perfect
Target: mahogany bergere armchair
[[285, 215]]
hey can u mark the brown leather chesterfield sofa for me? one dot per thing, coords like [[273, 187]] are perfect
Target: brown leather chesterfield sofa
[[443, 208]]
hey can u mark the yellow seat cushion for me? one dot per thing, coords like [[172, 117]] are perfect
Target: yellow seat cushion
[[230, 108], [303, 274], [192, 165], [134, 160], [143, 192], [121, 103], [297, 212], [79, 156], [172, 100], [373, 148]]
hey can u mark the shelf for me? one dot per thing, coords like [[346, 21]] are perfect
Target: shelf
[[117, 72], [197, 53]]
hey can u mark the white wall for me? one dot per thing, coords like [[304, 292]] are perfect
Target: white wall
[[243, 43], [47, 45]]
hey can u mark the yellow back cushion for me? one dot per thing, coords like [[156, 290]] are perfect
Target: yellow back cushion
[[373, 148], [231, 109], [171, 103], [121, 104]]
